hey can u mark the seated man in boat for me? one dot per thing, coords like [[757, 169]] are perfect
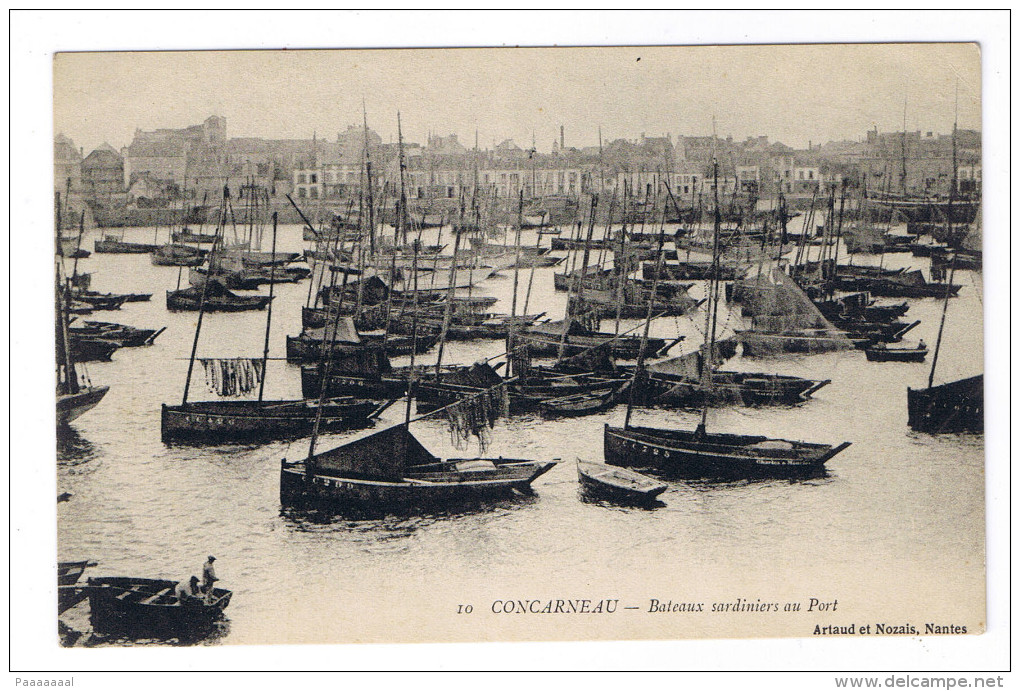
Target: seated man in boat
[[188, 592], [208, 578], [921, 345]]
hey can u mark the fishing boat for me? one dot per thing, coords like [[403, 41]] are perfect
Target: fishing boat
[[547, 338], [686, 271], [185, 236], [585, 403], [98, 301], [679, 382], [148, 608], [216, 298], [90, 349], [255, 420], [699, 453], [783, 319], [177, 255], [74, 397], [309, 346], [956, 406], [910, 284], [618, 484], [884, 353], [114, 300], [113, 244], [249, 421], [392, 471]]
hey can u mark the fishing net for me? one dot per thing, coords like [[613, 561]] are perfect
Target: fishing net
[[232, 376], [476, 416], [520, 359], [782, 318]]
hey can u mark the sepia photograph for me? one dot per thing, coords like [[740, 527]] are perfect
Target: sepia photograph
[[509, 343]]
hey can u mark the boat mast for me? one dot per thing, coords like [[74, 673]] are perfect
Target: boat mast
[[449, 294], [63, 299], [903, 150], [956, 117], [621, 263], [648, 320], [414, 335], [712, 306], [402, 220], [368, 175], [578, 280], [205, 291], [269, 312], [942, 324]]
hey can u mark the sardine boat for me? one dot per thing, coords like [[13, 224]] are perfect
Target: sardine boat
[[391, 470], [702, 454], [217, 298], [256, 420]]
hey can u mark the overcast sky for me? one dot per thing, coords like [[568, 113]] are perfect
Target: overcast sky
[[793, 94]]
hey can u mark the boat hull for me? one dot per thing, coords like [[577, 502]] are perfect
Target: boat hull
[[143, 607], [426, 491], [896, 354], [119, 247], [72, 406], [181, 300], [245, 421], [618, 484], [727, 387], [714, 455], [954, 407]]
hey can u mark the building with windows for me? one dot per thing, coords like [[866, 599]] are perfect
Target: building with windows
[[102, 176], [67, 161]]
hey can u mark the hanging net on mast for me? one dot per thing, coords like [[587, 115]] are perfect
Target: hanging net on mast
[[782, 318]]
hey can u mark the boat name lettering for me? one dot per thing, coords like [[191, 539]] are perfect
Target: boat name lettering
[[574, 606]]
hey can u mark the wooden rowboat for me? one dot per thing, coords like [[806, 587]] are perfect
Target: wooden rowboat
[[618, 484], [584, 403], [147, 607], [886, 354], [68, 592]]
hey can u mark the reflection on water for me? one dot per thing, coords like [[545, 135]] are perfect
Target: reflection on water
[[73, 448], [313, 517], [619, 504]]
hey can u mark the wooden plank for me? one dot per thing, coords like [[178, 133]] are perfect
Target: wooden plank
[[153, 598]]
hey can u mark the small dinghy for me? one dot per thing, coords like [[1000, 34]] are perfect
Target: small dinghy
[[618, 484], [883, 353]]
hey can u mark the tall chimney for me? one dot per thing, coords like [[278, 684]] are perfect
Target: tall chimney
[[561, 137]]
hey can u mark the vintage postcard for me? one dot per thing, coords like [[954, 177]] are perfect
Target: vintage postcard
[[519, 344]]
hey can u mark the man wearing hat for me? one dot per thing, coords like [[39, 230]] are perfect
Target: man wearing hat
[[208, 578]]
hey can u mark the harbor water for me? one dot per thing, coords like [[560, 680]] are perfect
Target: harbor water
[[897, 520]]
